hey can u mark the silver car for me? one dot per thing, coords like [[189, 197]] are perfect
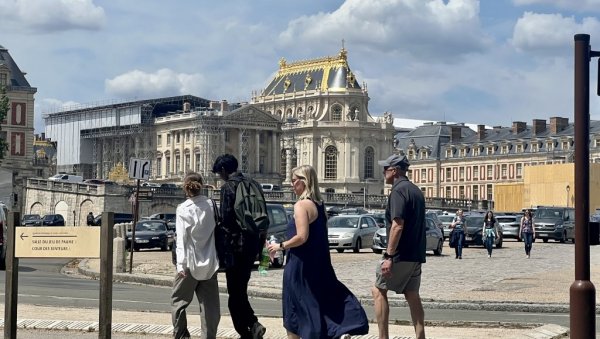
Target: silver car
[[446, 220], [433, 234], [351, 231], [509, 224]]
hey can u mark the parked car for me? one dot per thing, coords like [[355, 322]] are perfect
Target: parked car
[[270, 187], [433, 214], [510, 225], [446, 220], [119, 218], [351, 231], [433, 235], [3, 234], [151, 234], [380, 219], [474, 226], [354, 210], [66, 178], [53, 220], [31, 220], [556, 223], [169, 218], [278, 220], [168, 186]]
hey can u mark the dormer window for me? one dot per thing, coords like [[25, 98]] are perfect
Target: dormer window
[[449, 153], [3, 79], [534, 147], [565, 145], [550, 145], [519, 148], [490, 150], [476, 151], [504, 149], [463, 152]]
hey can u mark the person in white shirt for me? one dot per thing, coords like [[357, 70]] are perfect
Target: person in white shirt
[[197, 262]]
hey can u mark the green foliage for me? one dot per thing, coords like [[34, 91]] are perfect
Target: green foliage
[[3, 113]]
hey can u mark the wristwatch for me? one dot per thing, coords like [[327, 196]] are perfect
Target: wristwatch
[[387, 256], [281, 246]]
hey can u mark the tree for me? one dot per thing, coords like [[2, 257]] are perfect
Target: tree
[[3, 113]]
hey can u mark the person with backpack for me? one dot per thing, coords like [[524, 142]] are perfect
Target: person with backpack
[[241, 235], [90, 219]]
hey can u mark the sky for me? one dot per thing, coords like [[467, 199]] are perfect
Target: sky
[[487, 62]]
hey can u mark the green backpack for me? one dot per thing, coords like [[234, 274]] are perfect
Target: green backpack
[[250, 207]]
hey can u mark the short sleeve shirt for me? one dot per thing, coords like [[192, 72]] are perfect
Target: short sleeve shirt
[[406, 202]]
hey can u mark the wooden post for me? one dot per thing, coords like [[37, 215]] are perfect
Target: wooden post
[[106, 275], [11, 290]]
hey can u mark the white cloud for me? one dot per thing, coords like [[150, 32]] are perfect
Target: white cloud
[[164, 82], [549, 32], [50, 105], [578, 5], [421, 28], [50, 16]]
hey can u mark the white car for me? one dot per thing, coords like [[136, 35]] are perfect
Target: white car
[[446, 220], [351, 231]]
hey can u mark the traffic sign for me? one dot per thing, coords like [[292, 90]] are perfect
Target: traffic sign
[[57, 242], [139, 168]]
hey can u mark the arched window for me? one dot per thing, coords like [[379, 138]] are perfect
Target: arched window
[[330, 162], [336, 113], [294, 158], [369, 163]]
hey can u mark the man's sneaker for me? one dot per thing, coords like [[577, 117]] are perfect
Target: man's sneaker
[[345, 336], [258, 330]]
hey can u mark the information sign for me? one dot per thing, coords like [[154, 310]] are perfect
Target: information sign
[[57, 242]]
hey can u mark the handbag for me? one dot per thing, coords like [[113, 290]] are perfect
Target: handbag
[[452, 239]]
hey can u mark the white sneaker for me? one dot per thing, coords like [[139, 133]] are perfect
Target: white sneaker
[[528, 256], [345, 336], [489, 256]]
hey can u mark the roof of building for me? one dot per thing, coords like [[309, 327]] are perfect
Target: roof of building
[[17, 78], [330, 73]]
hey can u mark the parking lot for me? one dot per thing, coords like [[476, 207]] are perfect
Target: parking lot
[[507, 276]]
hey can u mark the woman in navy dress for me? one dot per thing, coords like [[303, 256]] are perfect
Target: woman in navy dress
[[315, 303]]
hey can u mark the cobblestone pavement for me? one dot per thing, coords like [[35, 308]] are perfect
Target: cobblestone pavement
[[506, 277]]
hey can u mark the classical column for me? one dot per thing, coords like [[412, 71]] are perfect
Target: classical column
[[240, 148], [257, 142], [347, 158], [276, 153], [288, 163], [182, 152]]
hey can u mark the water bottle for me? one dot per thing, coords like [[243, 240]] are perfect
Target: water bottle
[[265, 259]]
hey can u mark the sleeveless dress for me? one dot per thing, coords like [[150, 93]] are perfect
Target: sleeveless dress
[[315, 303]]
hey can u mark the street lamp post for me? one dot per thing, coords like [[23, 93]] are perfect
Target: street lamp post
[[582, 293], [568, 189]]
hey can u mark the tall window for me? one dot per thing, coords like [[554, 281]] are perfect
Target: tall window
[[423, 175], [475, 192], [490, 172], [461, 192], [158, 166], [177, 137], [168, 139], [504, 171], [283, 168], [519, 170], [369, 162], [475, 172], [197, 157], [448, 174], [177, 164], [294, 157], [159, 140], [330, 162], [490, 193], [461, 173], [448, 192], [336, 113], [3, 79], [187, 162], [168, 165]]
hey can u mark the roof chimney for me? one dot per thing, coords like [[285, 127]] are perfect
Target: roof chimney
[[224, 106], [213, 104], [481, 132], [558, 124], [518, 127], [186, 107], [539, 126], [456, 132]]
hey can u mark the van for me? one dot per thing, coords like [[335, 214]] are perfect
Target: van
[[270, 187], [66, 178], [557, 223]]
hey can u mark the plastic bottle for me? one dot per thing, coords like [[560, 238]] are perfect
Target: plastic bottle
[[265, 260]]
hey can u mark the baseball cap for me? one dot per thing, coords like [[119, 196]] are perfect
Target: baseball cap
[[395, 160]]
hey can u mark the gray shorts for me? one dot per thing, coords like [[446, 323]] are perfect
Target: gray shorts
[[406, 276]]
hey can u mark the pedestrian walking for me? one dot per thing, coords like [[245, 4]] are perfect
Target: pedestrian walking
[[459, 231], [239, 252], [90, 219], [527, 232], [196, 260], [489, 232], [400, 269], [315, 303]]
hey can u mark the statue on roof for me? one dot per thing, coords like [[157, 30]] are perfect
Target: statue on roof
[[282, 63]]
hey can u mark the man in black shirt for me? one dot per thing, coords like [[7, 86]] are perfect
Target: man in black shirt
[[241, 250], [400, 269]]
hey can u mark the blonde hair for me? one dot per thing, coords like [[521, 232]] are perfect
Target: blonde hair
[[308, 176], [192, 184]]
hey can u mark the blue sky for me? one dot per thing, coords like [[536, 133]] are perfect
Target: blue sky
[[488, 61]]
